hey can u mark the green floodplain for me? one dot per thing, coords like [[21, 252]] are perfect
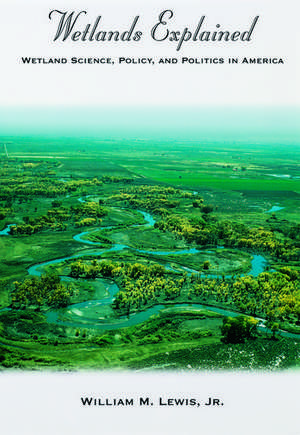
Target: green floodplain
[[145, 255]]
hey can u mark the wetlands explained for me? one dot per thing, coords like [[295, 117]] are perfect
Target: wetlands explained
[[73, 26]]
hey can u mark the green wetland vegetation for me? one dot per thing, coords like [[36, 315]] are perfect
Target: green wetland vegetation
[[149, 256]]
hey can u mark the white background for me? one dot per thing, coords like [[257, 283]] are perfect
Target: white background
[[259, 403], [25, 30]]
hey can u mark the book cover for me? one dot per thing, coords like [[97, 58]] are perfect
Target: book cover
[[149, 217]]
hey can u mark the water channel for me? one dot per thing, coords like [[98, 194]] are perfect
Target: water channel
[[86, 311]]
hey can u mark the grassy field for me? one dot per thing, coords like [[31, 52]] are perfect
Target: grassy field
[[189, 344]]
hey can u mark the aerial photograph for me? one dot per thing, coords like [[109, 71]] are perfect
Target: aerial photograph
[[150, 239]]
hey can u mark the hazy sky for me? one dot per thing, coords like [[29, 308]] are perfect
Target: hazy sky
[[258, 125]]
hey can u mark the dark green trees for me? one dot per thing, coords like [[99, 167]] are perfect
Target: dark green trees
[[238, 329]]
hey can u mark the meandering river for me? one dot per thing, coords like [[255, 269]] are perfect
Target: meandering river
[[86, 312]]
